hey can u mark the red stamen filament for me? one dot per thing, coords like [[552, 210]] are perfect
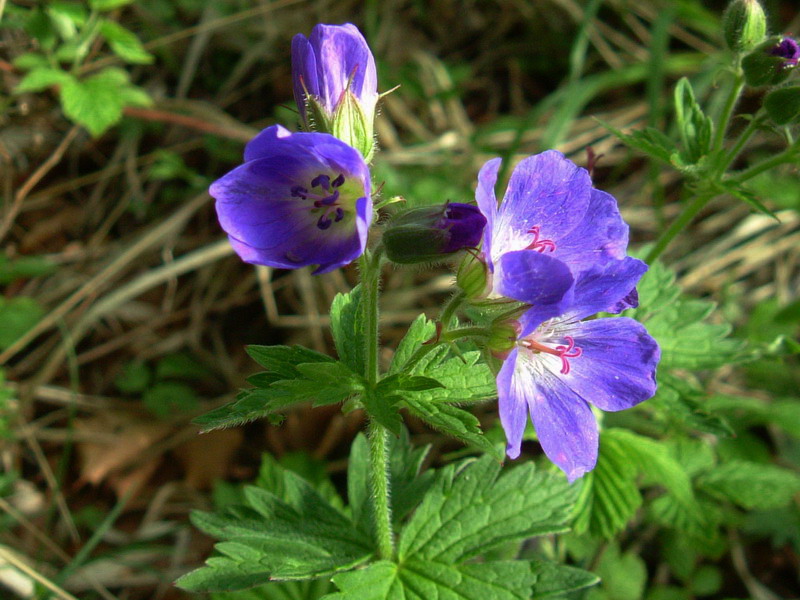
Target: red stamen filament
[[562, 352], [540, 245]]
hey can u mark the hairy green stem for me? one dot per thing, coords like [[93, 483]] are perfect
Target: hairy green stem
[[727, 111], [379, 464], [689, 212], [787, 156], [737, 148]]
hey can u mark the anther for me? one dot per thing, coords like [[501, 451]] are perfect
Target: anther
[[324, 222], [339, 214], [540, 245], [338, 181], [321, 180]]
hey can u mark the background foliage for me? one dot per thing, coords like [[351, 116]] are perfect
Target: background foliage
[[125, 315]]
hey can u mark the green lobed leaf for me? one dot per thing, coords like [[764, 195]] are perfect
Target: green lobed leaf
[[283, 360], [418, 579], [124, 43], [655, 462], [463, 379], [751, 485], [347, 325], [421, 330], [453, 421], [472, 508], [297, 536], [681, 401], [746, 195], [609, 496], [679, 324]]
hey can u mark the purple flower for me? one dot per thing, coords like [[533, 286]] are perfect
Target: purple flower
[[550, 226], [335, 83], [789, 50], [299, 199], [561, 365]]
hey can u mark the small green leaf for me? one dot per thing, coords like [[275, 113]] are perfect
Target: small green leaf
[[348, 328], [30, 61], [408, 383], [623, 575], [695, 127], [41, 78], [124, 43], [751, 485], [95, 102]]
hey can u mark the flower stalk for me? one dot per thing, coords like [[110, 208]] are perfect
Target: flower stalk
[[379, 464]]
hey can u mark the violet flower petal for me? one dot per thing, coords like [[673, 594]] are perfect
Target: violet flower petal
[[617, 366], [599, 237], [511, 405], [487, 203], [547, 191], [534, 278]]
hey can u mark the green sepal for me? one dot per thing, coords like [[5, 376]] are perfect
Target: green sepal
[[783, 105], [695, 127], [762, 68], [353, 126]]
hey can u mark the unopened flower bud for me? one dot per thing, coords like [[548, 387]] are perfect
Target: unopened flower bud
[[473, 277], [336, 85], [503, 337], [432, 232], [744, 25], [771, 62]]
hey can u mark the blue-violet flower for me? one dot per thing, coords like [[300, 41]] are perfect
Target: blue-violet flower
[[336, 84], [561, 365], [551, 225], [299, 199]]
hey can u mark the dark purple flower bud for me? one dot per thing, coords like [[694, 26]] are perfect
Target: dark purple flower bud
[[772, 62], [789, 50], [431, 232], [336, 84], [299, 199]]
